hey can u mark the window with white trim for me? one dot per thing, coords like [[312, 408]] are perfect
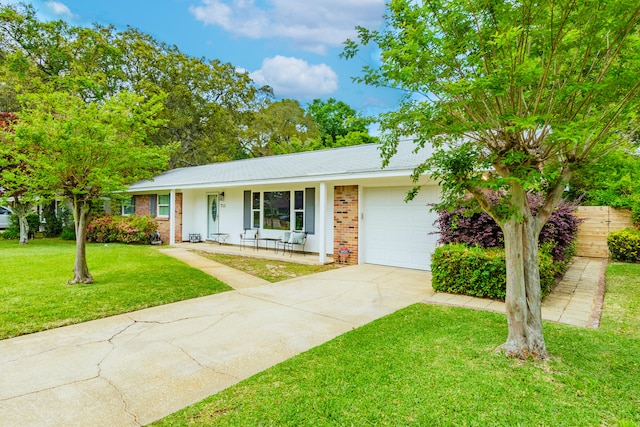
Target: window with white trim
[[280, 210], [128, 206], [276, 210], [255, 209], [298, 210], [164, 204]]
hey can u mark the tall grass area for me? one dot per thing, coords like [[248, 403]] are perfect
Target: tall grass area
[[34, 294], [432, 366]]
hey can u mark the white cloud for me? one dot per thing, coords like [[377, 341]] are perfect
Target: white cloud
[[59, 9], [313, 25], [293, 77]]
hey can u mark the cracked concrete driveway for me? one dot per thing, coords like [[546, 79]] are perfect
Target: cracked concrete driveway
[[131, 369]]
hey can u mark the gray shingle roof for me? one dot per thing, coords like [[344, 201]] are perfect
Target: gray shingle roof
[[323, 164]]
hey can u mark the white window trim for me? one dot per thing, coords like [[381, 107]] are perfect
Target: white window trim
[[159, 205], [128, 203]]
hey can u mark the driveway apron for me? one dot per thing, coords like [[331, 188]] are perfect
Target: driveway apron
[[131, 369]]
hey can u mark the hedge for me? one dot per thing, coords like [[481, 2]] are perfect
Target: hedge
[[479, 272], [624, 245]]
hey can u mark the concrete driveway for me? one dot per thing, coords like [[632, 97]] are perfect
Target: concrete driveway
[[131, 369]]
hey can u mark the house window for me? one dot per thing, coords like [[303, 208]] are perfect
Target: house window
[[298, 210], [128, 206], [274, 210], [163, 205], [255, 209], [277, 210]]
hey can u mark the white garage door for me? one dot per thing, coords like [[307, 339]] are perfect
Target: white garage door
[[397, 233]]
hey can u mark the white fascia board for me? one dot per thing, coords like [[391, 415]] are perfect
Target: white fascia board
[[341, 176]]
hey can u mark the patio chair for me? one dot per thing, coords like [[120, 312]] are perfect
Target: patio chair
[[249, 235], [297, 238], [284, 239]]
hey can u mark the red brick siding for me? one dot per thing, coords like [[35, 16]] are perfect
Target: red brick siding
[[143, 208], [345, 221], [142, 204]]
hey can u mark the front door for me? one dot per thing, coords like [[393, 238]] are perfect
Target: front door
[[213, 215]]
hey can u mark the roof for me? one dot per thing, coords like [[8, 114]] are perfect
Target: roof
[[326, 165]]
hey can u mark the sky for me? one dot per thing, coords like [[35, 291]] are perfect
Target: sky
[[291, 45]]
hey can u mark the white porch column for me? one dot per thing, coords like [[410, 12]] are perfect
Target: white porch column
[[322, 223], [172, 217]]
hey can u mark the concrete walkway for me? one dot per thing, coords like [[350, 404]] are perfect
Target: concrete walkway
[[131, 369], [235, 278]]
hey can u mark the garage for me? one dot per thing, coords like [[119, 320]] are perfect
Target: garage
[[396, 233]]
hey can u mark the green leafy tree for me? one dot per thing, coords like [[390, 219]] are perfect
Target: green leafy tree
[[340, 125], [208, 103], [612, 179], [86, 151], [278, 128], [16, 187], [513, 95]]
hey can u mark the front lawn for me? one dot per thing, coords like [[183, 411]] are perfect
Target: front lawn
[[269, 270], [35, 294], [429, 365]]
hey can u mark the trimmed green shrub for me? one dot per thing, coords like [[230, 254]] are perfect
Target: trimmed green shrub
[[624, 245], [123, 229], [479, 272]]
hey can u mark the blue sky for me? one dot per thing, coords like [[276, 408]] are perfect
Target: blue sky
[[291, 45]]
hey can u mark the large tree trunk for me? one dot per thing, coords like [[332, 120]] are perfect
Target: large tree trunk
[[81, 270], [523, 297]]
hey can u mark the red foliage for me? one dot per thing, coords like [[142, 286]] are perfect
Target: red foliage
[[7, 120]]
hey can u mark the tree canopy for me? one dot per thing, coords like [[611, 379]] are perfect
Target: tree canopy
[[207, 102], [339, 124], [85, 151], [512, 96]]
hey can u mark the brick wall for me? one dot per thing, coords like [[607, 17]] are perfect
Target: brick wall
[[143, 208], [345, 221], [142, 204]]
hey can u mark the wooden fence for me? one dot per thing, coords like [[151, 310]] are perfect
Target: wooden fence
[[598, 222]]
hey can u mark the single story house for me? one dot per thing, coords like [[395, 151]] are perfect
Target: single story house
[[340, 197]]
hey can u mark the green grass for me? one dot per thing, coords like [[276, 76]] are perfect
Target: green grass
[[269, 270], [429, 366], [34, 294]]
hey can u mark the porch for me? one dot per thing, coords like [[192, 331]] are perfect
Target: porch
[[266, 250]]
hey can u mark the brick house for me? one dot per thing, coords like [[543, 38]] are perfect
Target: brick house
[[342, 199]]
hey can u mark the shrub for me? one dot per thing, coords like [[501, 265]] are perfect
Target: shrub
[[127, 229], [56, 220], [13, 231], [468, 225], [479, 272], [624, 245], [68, 233]]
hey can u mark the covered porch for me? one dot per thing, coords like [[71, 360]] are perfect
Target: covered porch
[[266, 250]]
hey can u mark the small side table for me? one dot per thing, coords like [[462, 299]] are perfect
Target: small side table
[[266, 241], [194, 238], [219, 237]]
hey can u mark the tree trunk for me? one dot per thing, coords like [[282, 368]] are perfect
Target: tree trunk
[[22, 209], [523, 297], [80, 270]]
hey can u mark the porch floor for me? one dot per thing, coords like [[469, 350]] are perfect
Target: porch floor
[[309, 258]]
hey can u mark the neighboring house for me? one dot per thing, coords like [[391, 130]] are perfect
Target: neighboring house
[[340, 197]]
